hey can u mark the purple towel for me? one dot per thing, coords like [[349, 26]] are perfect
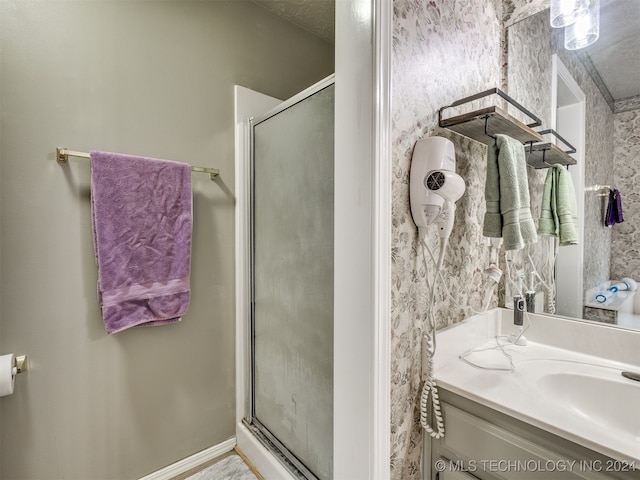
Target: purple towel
[[142, 223], [614, 209]]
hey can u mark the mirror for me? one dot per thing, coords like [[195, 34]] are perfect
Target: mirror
[[607, 73]]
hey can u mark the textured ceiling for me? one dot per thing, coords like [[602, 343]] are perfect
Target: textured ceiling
[[616, 54], [315, 16]]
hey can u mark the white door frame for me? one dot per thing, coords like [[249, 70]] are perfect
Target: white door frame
[[570, 122], [362, 252], [248, 103]]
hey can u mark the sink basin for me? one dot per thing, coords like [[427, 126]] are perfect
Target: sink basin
[[596, 399], [594, 393], [566, 381]]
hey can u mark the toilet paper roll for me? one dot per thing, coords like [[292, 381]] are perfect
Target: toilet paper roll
[[7, 374]]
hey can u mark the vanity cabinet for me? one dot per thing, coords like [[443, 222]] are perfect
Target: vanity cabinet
[[481, 443]]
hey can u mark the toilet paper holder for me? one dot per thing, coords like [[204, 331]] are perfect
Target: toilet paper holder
[[21, 363]]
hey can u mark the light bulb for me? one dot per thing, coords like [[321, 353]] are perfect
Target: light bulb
[[566, 12], [585, 30]]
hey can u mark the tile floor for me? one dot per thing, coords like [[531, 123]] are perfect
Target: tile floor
[[232, 467], [229, 466]]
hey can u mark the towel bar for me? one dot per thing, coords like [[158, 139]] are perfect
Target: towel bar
[[601, 190], [63, 154]]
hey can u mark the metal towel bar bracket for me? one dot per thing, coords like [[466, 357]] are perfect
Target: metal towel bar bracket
[[63, 154]]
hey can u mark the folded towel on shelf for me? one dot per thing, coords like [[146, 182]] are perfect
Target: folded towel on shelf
[[508, 213], [558, 217], [142, 225], [614, 209]]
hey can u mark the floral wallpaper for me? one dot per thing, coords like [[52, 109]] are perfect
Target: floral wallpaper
[[626, 104], [625, 257]]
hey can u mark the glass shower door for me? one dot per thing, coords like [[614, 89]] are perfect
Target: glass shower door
[[292, 280]]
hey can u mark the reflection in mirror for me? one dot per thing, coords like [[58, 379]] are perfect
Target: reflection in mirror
[[607, 74]]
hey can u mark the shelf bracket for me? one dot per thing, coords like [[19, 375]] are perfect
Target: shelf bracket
[[493, 91], [551, 131]]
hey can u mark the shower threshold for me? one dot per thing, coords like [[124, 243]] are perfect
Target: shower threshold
[[297, 469]]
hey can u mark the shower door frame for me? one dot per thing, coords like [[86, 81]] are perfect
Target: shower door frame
[[250, 420]]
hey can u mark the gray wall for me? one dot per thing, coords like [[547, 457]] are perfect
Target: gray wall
[[149, 78]]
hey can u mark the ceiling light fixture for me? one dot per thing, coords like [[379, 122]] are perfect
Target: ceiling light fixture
[[566, 12], [585, 30]]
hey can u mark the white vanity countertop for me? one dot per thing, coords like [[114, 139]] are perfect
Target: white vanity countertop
[[539, 390]]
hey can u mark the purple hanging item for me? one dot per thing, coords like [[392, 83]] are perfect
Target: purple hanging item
[[619, 218], [614, 209], [142, 223]]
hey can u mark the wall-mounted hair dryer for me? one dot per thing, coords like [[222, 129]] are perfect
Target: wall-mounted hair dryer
[[435, 187]]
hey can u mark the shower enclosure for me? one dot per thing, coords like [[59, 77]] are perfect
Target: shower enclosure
[[290, 407]]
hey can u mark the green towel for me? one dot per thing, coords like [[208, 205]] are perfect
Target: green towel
[[558, 217], [508, 212]]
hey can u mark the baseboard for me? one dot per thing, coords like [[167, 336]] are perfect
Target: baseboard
[[186, 464]]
